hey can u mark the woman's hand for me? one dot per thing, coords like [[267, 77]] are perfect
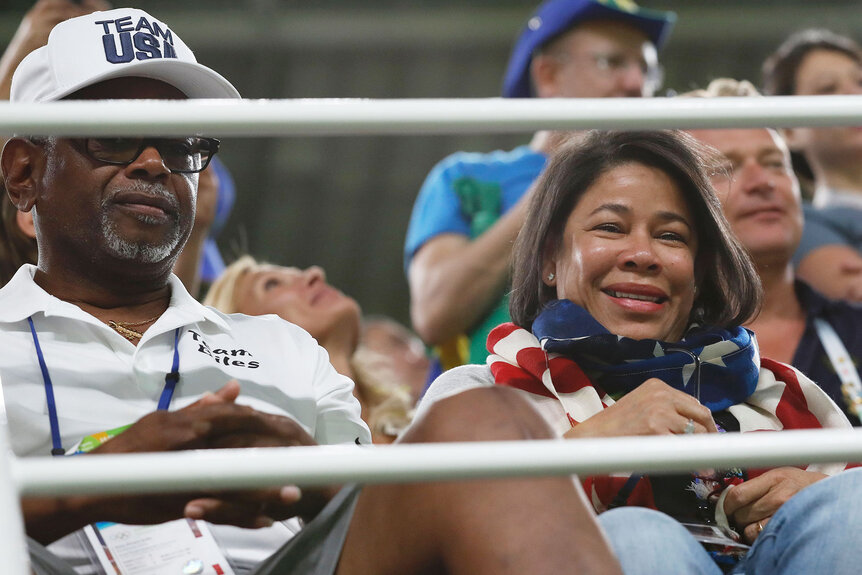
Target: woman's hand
[[754, 502], [654, 408]]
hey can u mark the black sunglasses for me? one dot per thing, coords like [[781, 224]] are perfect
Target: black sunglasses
[[180, 155]]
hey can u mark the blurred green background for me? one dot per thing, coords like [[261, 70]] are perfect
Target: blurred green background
[[344, 202]]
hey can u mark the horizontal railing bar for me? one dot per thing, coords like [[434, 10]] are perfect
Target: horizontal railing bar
[[318, 117], [308, 466]]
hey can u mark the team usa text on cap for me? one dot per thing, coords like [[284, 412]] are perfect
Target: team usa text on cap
[[126, 40]]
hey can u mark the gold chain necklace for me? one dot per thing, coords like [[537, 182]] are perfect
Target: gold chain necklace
[[123, 327]]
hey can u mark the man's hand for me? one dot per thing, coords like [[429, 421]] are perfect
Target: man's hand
[[260, 507], [751, 504], [211, 423], [833, 270], [214, 421], [654, 408], [852, 271]]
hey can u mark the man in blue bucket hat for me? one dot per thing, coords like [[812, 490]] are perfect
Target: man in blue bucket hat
[[551, 30], [471, 205]]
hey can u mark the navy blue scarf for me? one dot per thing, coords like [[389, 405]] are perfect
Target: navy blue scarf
[[719, 367]]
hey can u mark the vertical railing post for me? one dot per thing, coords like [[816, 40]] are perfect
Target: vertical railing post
[[13, 546]]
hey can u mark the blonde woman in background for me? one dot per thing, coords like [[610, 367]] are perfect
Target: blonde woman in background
[[304, 298]]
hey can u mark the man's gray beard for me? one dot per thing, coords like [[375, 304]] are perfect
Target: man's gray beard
[[144, 252]]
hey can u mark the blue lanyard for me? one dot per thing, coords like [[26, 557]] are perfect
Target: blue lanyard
[[171, 380]]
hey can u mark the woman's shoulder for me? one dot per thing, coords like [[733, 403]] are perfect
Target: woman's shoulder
[[455, 381], [796, 401], [265, 327]]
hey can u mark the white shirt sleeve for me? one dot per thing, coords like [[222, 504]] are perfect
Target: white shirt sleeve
[[338, 411], [455, 381]]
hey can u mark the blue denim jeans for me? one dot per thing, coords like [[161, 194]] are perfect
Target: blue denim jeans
[[816, 531]]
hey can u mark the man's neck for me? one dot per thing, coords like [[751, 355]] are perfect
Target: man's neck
[[779, 292], [110, 295], [340, 345], [342, 364], [781, 322], [844, 176]]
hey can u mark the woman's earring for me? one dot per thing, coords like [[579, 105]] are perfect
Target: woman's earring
[[551, 277]]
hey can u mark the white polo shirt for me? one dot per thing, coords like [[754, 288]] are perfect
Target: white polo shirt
[[101, 381]]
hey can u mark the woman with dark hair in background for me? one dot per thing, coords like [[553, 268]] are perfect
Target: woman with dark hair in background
[[628, 294], [821, 63]]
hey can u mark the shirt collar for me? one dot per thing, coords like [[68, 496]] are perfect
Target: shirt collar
[[813, 302], [188, 308], [22, 297], [827, 197]]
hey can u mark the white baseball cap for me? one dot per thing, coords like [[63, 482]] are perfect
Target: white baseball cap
[[117, 43]]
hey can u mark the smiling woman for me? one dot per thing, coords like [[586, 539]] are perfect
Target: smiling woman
[[637, 213], [629, 290], [726, 294]]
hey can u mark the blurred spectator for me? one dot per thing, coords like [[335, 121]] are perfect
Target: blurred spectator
[[820, 62], [17, 239], [200, 262], [397, 348], [33, 32], [760, 197], [304, 298], [17, 236], [212, 264], [471, 206]]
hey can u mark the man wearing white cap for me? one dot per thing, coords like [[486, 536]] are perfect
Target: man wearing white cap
[[104, 351], [471, 206]]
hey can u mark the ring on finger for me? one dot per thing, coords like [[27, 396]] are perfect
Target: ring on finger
[[759, 527], [689, 427]]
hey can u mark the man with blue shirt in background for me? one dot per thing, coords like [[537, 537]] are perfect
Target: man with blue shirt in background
[[472, 205]]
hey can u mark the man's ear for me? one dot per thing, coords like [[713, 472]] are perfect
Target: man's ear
[[25, 222], [543, 72], [18, 161]]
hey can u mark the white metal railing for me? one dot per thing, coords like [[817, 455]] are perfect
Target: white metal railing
[[307, 466], [406, 117], [325, 465], [12, 547]]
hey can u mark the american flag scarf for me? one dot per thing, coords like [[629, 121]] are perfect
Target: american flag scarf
[[573, 359]]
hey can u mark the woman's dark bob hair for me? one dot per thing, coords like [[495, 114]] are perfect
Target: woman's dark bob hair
[[728, 287], [779, 70]]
